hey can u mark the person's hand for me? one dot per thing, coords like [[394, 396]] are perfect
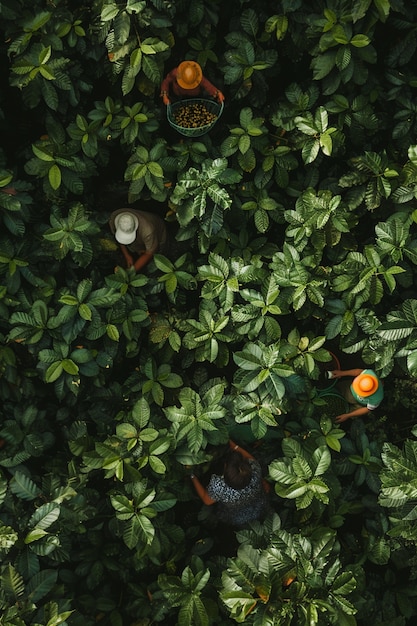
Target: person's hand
[[166, 100], [342, 418], [266, 486], [189, 469], [220, 97], [337, 373]]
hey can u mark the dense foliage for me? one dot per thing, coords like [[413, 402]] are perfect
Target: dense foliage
[[294, 231]]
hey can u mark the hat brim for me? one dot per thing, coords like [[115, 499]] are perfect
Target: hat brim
[[198, 78], [125, 238], [184, 85]]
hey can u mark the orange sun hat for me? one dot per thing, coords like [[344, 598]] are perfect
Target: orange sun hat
[[365, 385], [189, 75]]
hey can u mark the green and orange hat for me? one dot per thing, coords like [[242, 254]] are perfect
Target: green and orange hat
[[365, 384]]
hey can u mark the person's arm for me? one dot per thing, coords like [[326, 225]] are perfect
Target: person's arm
[[340, 373], [128, 257], [142, 260], [165, 87], [355, 413], [201, 491], [244, 453], [211, 89]]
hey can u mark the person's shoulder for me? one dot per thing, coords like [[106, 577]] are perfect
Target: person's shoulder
[[370, 372], [255, 466], [147, 215]]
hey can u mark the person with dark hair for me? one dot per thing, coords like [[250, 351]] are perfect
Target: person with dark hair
[[240, 494]]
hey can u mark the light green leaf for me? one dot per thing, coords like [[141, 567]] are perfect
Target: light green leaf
[[54, 176], [35, 535], [112, 332], [109, 12], [70, 367], [53, 372], [42, 154], [322, 458], [360, 41]]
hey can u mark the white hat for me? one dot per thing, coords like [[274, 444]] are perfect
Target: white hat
[[126, 225]]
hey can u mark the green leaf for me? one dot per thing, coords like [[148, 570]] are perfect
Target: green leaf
[[112, 332], [35, 535], [54, 176], [240, 603], [53, 372], [250, 358], [109, 12], [261, 220], [45, 515], [41, 154], [360, 41], [322, 458], [41, 584], [326, 144], [68, 299], [85, 312], [23, 486], [333, 442], [136, 58], [141, 413], [46, 72], [122, 505], [157, 465], [144, 528], [8, 537], [344, 584], [126, 431], [12, 583], [69, 366]]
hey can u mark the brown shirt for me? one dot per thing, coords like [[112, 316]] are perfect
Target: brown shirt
[[151, 235]]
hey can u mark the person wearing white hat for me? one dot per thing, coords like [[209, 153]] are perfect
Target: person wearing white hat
[[139, 232]]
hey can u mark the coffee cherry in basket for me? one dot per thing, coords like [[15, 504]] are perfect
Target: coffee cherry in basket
[[193, 115]]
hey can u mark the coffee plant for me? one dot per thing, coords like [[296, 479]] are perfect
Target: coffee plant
[[293, 241]]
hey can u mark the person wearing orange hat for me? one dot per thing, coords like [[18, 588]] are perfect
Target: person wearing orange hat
[[187, 81], [364, 394], [139, 232]]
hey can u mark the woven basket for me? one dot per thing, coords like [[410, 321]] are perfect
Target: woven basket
[[331, 396], [211, 105]]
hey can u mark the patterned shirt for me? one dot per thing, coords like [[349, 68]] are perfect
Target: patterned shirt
[[239, 506]]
